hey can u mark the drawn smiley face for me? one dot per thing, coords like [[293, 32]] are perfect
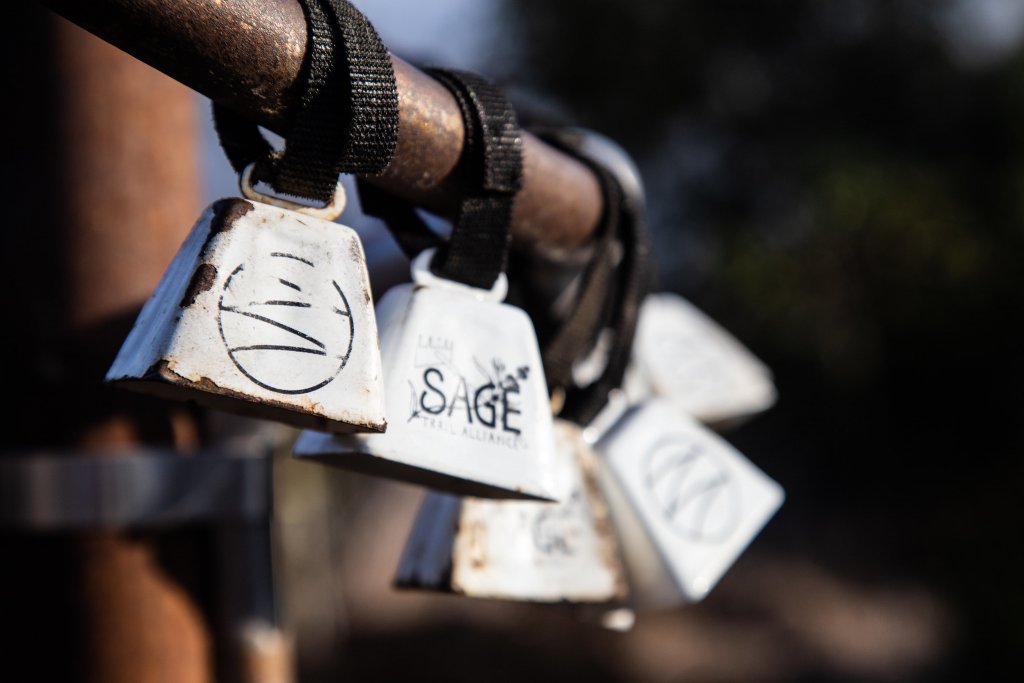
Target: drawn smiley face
[[286, 324]]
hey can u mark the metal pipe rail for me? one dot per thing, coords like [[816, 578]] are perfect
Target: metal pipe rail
[[248, 54]]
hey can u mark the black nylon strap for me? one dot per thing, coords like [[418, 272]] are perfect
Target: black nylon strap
[[492, 160], [578, 334], [584, 403], [241, 141], [346, 120], [611, 288], [410, 231], [609, 291], [491, 176]]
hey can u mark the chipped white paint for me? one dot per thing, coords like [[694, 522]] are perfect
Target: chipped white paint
[[682, 355], [684, 501], [265, 312], [466, 399], [515, 550]]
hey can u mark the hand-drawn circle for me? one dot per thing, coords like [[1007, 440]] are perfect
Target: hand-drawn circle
[[286, 324], [696, 494]]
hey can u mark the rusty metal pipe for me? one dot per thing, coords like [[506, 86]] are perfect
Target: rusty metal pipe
[[100, 211], [248, 55]]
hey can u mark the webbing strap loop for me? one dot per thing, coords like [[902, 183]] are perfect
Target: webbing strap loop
[[612, 286], [346, 118], [492, 160]]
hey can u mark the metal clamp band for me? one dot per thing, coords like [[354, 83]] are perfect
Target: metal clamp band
[[149, 488]]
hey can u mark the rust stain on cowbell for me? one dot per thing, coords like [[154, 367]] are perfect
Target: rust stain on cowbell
[[607, 540], [167, 383], [472, 542], [227, 211], [202, 281]]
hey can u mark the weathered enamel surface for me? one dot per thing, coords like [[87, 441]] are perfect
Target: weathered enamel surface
[[516, 550], [467, 401], [265, 312], [682, 355], [685, 502]]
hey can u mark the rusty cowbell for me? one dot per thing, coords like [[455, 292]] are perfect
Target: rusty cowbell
[[518, 550], [265, 311]]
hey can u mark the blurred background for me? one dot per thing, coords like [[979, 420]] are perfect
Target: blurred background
[[839, 184]]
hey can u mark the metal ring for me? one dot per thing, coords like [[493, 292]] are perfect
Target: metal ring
[[424, 277], [327, 213]]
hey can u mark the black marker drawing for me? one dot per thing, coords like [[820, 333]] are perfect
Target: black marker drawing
[[693, 491], [286, 326], [441, 390], [555, 531]]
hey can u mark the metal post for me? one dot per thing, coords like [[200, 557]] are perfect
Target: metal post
[[247, 54], [100, 180]]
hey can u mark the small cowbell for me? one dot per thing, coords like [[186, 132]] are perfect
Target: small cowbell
[[515, 550], [265, 312], [683, 356], [467, 401], [685, 503]]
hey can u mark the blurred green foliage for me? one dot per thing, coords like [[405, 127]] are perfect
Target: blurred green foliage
[[842, 185]]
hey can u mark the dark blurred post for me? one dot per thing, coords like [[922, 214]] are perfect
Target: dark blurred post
[[100, 187]]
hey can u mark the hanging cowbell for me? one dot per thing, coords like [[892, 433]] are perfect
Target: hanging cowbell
[[466, 398], [685, 503], [266, 309], [515, 550], [683, 356], [266, 312]]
